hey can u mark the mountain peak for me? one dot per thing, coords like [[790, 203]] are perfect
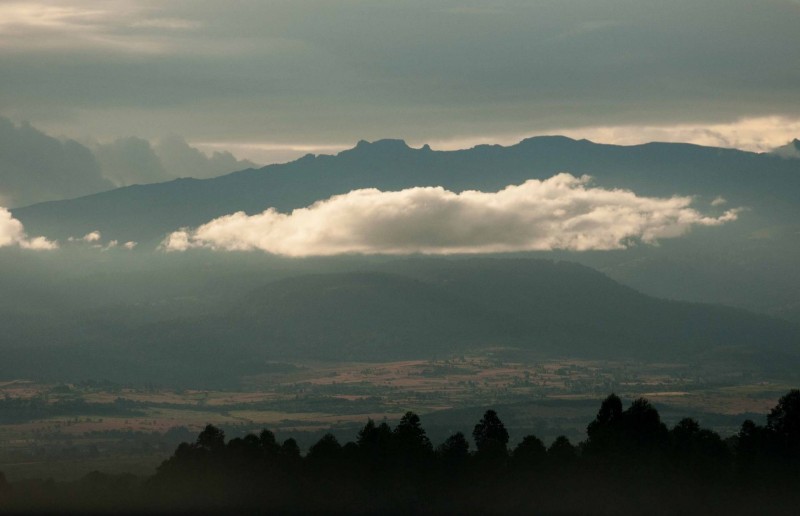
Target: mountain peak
[[384, 144], [790, 150], [550, 140]]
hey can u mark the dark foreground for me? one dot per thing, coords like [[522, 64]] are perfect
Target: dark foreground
[[630, 463]]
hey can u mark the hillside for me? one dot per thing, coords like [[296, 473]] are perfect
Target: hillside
[[417, 308]]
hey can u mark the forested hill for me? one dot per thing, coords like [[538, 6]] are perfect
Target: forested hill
[[426, 307], [405, 309]]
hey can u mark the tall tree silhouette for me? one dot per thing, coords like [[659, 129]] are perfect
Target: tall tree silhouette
[[211, 439], [490, 436], [454, 452], [784, 422], [530, 453], [410, 437], [642, 426], [605, 431]]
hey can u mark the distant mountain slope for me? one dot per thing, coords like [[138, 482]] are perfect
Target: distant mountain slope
[[147, 213], [408, 309], [789, 151], [426, 307]]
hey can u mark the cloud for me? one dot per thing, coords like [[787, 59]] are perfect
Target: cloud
[[12, 233], [755, 134], [94, 236], [327, 72], [563, 212], [128, 161], [124, 26], [182, 160], [94, 239], [132, 160], [35, 167]]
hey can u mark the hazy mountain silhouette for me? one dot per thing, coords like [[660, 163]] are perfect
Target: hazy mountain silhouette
[[414, 308], [790, 150], [146, 213]]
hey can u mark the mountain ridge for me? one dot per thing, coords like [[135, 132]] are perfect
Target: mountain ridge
[[392, 165]]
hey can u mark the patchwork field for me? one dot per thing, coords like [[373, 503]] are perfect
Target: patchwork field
[[64, 431]]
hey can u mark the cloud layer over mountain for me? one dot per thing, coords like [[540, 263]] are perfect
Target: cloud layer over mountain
[[36, 167], [132, 160], [563, 212]]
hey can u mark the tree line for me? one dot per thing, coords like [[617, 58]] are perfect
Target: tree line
[[629, 463]]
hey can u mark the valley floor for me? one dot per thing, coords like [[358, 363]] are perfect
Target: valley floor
[[65, 431]]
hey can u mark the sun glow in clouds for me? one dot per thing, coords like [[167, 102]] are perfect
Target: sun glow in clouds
[[563, 212]]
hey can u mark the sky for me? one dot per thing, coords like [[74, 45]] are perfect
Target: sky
[[273, 80]]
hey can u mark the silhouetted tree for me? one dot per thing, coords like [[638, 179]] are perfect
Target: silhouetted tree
[[490, 434], [269, 446], [609, 413], [211, 438], [637, 467], [752, 446], [529, 453], [289, 451], [410, 437], [605, 431], [375, 443], [561, 451], [327, 449], [4, 489], [698, 452], [642, 426], [454, 451], [247, 447], [784, 422]]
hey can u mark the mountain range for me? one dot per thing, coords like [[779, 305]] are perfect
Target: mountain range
[[146, 213], [750, 263]]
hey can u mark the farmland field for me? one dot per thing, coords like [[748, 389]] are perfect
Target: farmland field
[[66, 430]]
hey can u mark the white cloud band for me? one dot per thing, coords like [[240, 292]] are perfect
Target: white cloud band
[[12, 233], [562, 212]]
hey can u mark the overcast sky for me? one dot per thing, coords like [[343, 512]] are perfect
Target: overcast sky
[[269, 80]]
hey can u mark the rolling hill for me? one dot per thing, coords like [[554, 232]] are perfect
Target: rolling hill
[[410, 309]]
